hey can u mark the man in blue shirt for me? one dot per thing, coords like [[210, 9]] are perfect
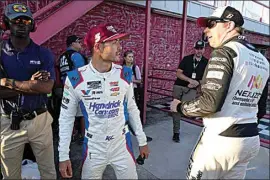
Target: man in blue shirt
[[29, 76], [72, 59]]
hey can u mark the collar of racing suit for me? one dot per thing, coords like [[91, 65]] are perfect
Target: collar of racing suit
[[103, 75], [238, 37]]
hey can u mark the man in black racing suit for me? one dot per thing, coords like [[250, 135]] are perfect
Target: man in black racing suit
[[231, 88]]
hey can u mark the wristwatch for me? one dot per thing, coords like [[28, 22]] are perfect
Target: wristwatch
[[10, 83]]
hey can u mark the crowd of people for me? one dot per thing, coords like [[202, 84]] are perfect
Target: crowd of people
[[104, 99]]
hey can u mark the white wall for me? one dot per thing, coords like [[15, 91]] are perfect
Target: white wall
[[196, 9]]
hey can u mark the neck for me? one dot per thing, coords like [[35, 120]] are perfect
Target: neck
[[128, 64], [100, 64], [19, 43], [73, 48], [229, 36], [198, 57]]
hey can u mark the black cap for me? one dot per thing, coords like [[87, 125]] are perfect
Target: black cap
[[71, 39], [199, 44], [223, 13], [15, 10]]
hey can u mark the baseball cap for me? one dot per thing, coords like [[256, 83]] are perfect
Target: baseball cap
[[15, 10], [223, 13], [199, 44], [71, 39], [102, 33]]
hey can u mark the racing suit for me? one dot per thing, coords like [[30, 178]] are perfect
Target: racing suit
[[231, 88], [102, 98]]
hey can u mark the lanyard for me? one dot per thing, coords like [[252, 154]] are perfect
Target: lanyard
[[195, 64]]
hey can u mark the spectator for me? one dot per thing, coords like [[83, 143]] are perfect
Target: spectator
[[262, 103], [71, 59], [137, 81], [29, 76], [187, 85], [103, 95], [231, 89]]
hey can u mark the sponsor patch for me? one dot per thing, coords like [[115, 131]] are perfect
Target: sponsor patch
[[66, 93], [66, 86], [94, 85], [64, 106], [115, 89], [219, 59], [97, 92], [216, 66], [115, 94], [212, 86], [255, 82], [65, 100], [105, 110], [35, 62], [108, 138], [114, 83], [73, 78], [86, 92], [215, 74], [92, 98]]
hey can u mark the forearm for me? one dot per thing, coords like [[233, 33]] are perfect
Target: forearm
[[30, 87], [183, 77], [214, 89], [137, 81], [7, 93]]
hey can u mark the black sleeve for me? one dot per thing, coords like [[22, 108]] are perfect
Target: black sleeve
[[262, 102], [215, 84], [182, 64]]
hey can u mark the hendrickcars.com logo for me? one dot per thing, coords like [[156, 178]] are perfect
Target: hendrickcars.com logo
[[255, 82]]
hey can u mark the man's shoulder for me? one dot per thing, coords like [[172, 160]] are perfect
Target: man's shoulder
[[42, 50], [204, 59], [188, 58], [75, 76]]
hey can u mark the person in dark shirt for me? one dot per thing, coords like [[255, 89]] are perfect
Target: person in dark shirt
[[187, 85], [262, 104], [28, 76]]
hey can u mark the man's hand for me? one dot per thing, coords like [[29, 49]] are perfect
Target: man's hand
[[65, 169], [3, 81], [9, 83], [41, 75], [174, 104], [199, 91], [144, 151], [193, 83]]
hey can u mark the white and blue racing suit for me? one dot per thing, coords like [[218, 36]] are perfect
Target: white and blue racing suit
[[102, 98]]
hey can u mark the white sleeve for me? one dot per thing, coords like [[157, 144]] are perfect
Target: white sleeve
[[138, 73], [66, 120], [134, 117]]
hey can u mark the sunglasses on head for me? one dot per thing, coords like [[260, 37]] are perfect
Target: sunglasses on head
[[212, 23], [21, 21]]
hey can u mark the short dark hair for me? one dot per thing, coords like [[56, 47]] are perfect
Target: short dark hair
[[128, 52]]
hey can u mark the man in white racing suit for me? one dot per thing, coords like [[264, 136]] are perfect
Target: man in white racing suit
[[103, 93], [231, 88]]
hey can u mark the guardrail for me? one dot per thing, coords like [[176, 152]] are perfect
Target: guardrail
[[154, 90]]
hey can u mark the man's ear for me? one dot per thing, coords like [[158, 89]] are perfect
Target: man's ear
[[230, 26], [98, 47]]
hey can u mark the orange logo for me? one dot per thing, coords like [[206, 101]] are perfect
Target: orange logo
[[255, 82], [19, 8]]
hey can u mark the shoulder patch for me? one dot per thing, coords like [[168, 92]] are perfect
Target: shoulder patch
[[75, 77]]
